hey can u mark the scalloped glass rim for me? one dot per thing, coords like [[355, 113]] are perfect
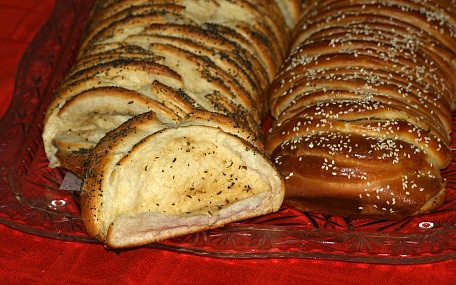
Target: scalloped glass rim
[[31, 201]]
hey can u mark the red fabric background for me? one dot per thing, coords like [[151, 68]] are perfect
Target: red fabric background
[[28, 259]]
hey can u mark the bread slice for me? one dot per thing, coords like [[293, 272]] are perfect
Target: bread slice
[[146, 181], [130, 75], [82, 121], [132, 21], [240, 52], [291, 10]]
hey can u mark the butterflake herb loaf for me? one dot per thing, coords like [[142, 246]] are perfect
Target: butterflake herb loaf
[[161, 116]]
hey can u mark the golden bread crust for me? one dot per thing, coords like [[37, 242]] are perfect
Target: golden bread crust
[[362, 108]]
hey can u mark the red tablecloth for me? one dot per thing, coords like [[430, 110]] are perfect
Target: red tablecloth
[[28, 259]]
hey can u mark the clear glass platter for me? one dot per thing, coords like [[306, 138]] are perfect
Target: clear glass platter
[[31, 199]]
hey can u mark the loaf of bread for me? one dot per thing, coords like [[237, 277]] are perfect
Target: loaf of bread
[[161, 115], [362, 108]]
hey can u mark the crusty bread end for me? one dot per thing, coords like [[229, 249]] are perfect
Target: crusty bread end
[[173, 181]]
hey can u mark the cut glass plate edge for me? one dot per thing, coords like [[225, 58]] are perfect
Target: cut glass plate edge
[[28, 147]]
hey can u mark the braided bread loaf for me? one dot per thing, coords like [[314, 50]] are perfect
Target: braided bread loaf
[[362, 108], [161, 115]]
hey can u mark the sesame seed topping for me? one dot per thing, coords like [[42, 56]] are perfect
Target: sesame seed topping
[[362, 92]]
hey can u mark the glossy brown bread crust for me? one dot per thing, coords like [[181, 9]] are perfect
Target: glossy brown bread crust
[[362, 108]]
